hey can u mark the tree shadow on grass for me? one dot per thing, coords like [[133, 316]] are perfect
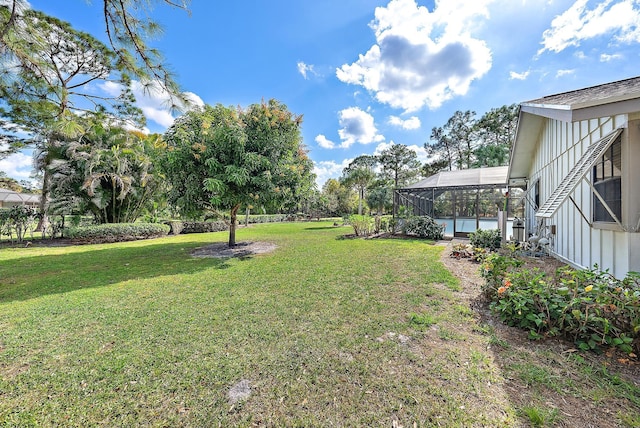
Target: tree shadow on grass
[[322, 227], [34, 276]]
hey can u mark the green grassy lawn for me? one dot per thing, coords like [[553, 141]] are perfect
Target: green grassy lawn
[[328, 331]]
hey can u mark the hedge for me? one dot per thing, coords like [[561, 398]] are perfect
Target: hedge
[[116, 232], [203, 226]]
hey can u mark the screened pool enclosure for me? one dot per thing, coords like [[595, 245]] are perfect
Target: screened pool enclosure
[[466, 200]]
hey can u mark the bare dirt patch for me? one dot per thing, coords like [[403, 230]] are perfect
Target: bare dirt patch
[[242, 249]]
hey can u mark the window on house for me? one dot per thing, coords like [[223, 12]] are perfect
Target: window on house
[[607, 180]]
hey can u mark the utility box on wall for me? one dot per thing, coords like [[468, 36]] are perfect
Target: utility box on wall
[[518, 229]]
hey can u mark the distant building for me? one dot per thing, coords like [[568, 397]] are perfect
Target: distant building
[[9, 198]]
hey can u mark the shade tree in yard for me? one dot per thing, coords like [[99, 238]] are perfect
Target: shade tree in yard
[[220, 158]]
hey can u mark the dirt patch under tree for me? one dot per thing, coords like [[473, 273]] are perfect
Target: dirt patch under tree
[[241, 249]]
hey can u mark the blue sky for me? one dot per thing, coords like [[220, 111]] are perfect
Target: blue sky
[[368, 73]]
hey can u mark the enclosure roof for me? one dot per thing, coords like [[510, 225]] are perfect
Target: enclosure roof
[[7, 195], [478, 177]]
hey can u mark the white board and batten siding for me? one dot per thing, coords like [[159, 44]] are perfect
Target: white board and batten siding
[[560, 145]]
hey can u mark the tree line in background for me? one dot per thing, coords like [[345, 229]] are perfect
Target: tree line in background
[[368, 182], [213, 159]]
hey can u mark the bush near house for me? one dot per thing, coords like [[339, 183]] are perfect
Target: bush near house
[[589, 307], [487, 239], [363, 225], [423, 227]]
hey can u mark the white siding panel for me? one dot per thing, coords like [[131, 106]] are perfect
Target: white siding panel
[[596, 245], [621, 247], [607, 250], [634, 251]]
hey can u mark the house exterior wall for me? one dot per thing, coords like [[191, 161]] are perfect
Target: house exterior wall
[[560, 145]]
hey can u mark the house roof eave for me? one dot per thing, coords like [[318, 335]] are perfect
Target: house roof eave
[[529, 126]]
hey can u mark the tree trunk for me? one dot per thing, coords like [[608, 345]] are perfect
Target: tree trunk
[[42, 207], [232, 225]]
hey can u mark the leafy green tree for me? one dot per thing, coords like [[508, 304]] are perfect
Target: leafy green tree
[[464, 142], [274, 132], [400, 164], [441, 149], [359, 174], [496, 131], [219, 158], [434, 167], [461, 129], [380, 197], [340, 199], [109, 172]]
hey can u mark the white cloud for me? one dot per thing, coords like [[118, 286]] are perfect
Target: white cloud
[[513, 75], [18, 166], [617, 19], [565, 72], [412, 123], [580, 55], [304, 69], [324, 142], [155, 103], [325, 170], [606, 57], [421, 58], [357, 126]]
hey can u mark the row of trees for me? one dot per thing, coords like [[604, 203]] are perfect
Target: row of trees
[[91, 162], [467, 142], [369, 181], [463, 142], [210, 159]]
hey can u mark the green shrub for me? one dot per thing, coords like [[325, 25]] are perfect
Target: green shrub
[[423, 227], [383, 224], [489, 239], [589, 307], [116, 232], [393, 226], [363, 225], [268, 218], [203, 226], [494, 269], [18, 219]]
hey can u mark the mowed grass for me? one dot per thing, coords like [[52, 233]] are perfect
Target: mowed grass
[[327, 332]]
